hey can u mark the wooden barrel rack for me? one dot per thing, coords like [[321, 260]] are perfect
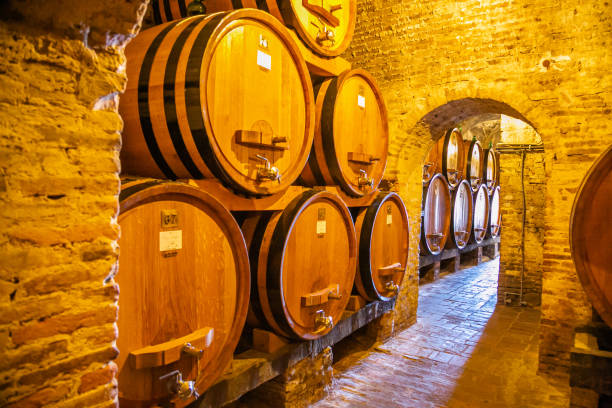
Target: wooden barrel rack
[[220, 110]]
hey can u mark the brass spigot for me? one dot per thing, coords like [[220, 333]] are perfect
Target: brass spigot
[[322, 321], [325, 35], [195, 8], [453, 176], [183, 389], [392, 287], [364, 180], [267, 171]]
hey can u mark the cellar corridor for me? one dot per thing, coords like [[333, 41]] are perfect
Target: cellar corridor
[[464, 351]]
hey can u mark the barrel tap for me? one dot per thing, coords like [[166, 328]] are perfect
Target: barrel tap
[[322, 322], [183, 389], [364, 180], [392, 287], [267, 171], [326, 35]]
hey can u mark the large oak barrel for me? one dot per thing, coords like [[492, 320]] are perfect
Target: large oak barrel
[[453, 157], [495, 217], [184, 279], [491, 169], [225, 95], [462, 209], [303, 263], [474, 164], [351, 136], [431, 167], [591, 235], [325, 28], [481, 214], [382, 238], [436, 215], [168, 10], [447, 156]]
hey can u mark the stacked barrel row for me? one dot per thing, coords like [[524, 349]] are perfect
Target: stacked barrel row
[[228, 96], [460, 194]]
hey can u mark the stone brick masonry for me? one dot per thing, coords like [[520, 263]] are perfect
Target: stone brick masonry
[[511, 207], [61, 71], [440, 62]]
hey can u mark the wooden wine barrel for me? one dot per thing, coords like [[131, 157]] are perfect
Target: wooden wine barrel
[[491, 169], [431, 167], [495, 217], [382, 239], [303, 263], [168, 10], [436, 215], [226, 95], [481, 214], [447, 156], [351, 137], [591, 235], [474, 164], [453, 157], [462, 210], [185, 281], [327, 29]]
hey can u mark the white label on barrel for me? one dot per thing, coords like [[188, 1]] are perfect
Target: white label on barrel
[[389, 219], [264, 60], [321, 227], [170, 240], [361, 101]]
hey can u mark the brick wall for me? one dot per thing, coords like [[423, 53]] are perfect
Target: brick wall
[[511, 207], [440, 63], [61, 68]]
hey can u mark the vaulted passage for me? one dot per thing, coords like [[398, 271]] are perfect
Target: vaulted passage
[[463, 351]]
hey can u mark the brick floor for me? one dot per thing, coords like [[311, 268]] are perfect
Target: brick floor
[[464, 351]]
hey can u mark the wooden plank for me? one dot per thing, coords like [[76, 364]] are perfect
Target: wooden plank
[[355, 303], [171, 351], [426, 260], [267, 342], [322, 296]]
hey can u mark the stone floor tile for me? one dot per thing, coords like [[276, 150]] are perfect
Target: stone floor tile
[[463, 351]]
